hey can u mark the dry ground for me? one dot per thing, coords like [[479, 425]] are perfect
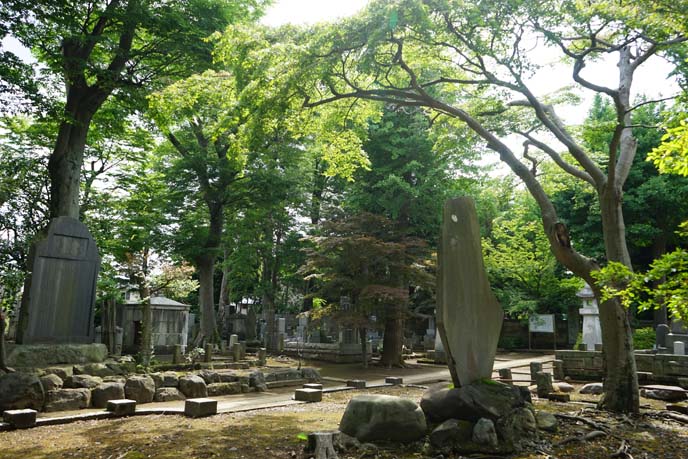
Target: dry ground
[[275, 433]]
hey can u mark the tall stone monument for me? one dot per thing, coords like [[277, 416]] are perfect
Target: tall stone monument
[[592, 331], [59, 294], [469, 318]]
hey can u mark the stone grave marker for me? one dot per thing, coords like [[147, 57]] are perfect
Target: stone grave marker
[[469, 318], [59, 295], [661, 334]]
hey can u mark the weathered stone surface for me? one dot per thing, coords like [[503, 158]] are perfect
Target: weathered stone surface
[[19, 391], [484, 433], [469, 318], [168, 394], [546, 421], [490, 400], [662, 392], [40, 355], [193, 386], [592, 389], [166, 379], [518, 426], [230, 377], [308, 395], [64, 264], [61, 372], [543, 381], [20, 419], [564, 387], [105, 392], [122, 407], [356, 383], [94, 369], [451, 433], [67, 400], [372, 418], [257, 381], [140, 388], [51, 382], [210, 377], [200, 407], [82, 382], [311, 375], [229, 388]]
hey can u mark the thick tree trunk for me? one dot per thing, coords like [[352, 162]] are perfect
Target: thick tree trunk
[[205, 264], [146, 329], [270, 328], [223, 301], [393, 342]]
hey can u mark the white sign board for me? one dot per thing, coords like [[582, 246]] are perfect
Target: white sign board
[[541, 323]]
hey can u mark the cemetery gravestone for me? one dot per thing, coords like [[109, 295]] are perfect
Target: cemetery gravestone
[[468, 315], [59, 294], [661, 335]]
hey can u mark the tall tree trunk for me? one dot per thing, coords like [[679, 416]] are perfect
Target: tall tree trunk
[[146, 329], [110, 325], [223, 301], [659, 248], [270, 328], [363, 334], [393, 341], [206, 268], [3, 357]]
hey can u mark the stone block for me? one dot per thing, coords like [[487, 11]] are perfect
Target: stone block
[[558, 367], [308, 395], [20, 419], [313, 386], [41, 355], [559, 397], [67, 400], [200, 407], [229, 388], [394, 380], [356, 383], [122, 407]]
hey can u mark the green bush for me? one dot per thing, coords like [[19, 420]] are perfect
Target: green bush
[[643, 338]]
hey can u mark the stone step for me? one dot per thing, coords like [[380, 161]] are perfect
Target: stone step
[[286, 383]]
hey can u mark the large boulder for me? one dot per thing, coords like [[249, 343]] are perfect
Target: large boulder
[[19, 391], [140, 388], [105, 392], [210, 377], [51, 382], [451, 434], [41, 355], [483, 399], [94, 369], [168, 394], [229, 388], [82, 382], [592, 389], [518, 428], [311, 374], [166, 379], [257, 381], [484, 434], [193, 386], [62, 372], [546, 421], [67, 400], [373, 418], [665, 393]]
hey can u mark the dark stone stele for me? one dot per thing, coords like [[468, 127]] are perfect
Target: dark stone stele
[[59, 294]]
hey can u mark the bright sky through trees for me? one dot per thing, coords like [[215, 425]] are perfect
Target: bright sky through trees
[[310, 11]]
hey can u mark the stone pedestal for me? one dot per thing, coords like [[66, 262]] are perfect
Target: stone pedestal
[[200, 407], [59, 295], [308, 395], [679, 348]]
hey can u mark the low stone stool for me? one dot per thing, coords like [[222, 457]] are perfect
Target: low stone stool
[[200, 407], [308, 395], [313, 386], [394, 380], [121, 407], [356, 383], [20, 419]]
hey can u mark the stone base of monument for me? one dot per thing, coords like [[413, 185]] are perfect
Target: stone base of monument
[[486, 417], [42, 355], [308, 395], [200, 407], [356, 383], [20, 419], [121, 407]]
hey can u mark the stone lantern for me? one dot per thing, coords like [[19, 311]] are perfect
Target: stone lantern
[[592, 333]]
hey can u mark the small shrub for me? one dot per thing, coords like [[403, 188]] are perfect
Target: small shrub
[[644, 338]]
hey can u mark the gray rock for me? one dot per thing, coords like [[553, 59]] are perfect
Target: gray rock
[[662, 392], [51, 382], [117, 379], [93, 369], [372, 418], [168, 394], [564, 387], [168, 379], [140, 388], [105, 392], [193, 386], [62, 373], [19, 391], [210, 377], [229, 377], [484, 433], [257, 381], [229, 388], [490, 400], [518, 427], [67, 400], [451, 433], [311, 374], [592, 389], [546, 421], [43, 355], [543, 381], [82, 382]]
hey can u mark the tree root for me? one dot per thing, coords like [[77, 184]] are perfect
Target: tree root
[[622, 452], [581, 438], [682, 418], [593, 424]]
